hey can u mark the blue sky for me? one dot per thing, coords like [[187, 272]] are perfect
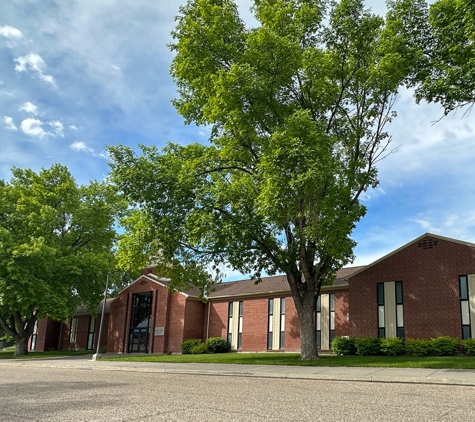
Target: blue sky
[[77, 75]]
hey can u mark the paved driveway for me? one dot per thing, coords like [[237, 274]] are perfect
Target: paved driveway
[[73, 394]]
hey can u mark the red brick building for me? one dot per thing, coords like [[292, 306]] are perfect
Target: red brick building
[[423, 289]]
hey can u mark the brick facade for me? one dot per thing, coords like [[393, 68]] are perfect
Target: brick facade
[[429, 277], [428, 269], [176, 317]]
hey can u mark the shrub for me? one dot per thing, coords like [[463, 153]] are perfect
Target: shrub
[[218, 345], [392, 346], [418, 347], [188, 344], [368, 346], [343, 346], [199, 349], [445, 346], [469, 346]]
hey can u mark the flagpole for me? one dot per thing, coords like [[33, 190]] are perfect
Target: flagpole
[[97, 356]]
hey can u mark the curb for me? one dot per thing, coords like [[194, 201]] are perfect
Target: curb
[[94, 366]]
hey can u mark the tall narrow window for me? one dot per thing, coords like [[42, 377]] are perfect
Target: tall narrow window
[[239, 344], [282, 324], [319, 322], [270, 324], [381, 321], [91, 333], [235, 321], [332, 317], [276, 324], [465, 307], [399, 311], [230, 322], [34, 336], [140, 322], [73, 330], [390, 309], [325, 320]]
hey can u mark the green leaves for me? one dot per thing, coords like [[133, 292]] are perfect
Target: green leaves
[[56, 243], [442, 47], [297, 108]]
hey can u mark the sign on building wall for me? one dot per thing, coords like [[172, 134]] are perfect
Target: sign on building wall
[[159, 331]]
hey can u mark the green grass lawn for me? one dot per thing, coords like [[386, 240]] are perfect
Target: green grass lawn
[[292, 359], [8, 354]]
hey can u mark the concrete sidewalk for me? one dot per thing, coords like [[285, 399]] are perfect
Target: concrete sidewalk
[[391, 375]]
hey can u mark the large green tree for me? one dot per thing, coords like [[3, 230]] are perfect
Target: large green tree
[[445, 34], [297, 108], [56, 241]]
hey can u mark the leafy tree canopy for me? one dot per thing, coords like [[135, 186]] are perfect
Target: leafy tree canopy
[[296, 108], [56, 241], [445, 35]]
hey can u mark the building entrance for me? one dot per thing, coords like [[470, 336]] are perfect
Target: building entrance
[[140, 322]]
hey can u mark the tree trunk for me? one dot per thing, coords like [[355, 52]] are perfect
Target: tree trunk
[[21, 346], [308, 335], [308, 338]]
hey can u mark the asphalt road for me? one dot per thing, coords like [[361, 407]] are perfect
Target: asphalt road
[[54, 394]]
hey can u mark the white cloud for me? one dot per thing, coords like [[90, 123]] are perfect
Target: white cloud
[[80, 146], [13, 35], [57, 127], [9, 123], [29, 108], [8, 31], [36, 64], [33, 127], [72, 127]]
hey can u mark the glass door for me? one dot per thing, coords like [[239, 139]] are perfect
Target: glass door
[[140, 322]]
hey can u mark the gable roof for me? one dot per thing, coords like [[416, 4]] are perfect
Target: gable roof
[[193, 292], [412, 242], [269, 285]]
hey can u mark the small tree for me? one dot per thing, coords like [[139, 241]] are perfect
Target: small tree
[[56, 242], [297, 108]]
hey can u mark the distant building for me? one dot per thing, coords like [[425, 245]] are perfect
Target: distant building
[[424, 289]]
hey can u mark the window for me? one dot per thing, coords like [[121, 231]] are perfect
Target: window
[[73, 330], [270, 324], [332, 317], [390, 309], [34, 336], [282, 323], [325, 320], [230, 322], [465, 307], [91, 333], [140, 322], [276, 324], [235, 321]]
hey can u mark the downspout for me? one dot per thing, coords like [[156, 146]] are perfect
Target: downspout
[[207, 322]]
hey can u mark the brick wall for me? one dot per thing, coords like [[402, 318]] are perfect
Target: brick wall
[[194, 319], [180, 318], [255, 320], [120, 314], [342, 309], [430, 289]]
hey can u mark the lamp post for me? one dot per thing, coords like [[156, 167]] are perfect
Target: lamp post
[[97, 356]]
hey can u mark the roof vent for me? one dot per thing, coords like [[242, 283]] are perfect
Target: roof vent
[[143, 282], [427, 243]]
